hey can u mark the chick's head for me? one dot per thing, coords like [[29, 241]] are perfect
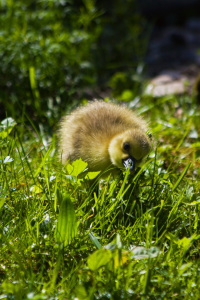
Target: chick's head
[[129, 148]]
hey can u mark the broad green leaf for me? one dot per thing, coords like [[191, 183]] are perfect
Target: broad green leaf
[[2, 201], [77, 167], [67, 226], [36, 189], [184, 268], [145, 253], [99, 258], [81, 292], [6, 127], [185, 242], [94, 240], [7, 159], [8, 122], [10, 287], [92, 175]]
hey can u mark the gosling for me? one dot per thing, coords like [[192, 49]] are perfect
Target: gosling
[[107, 136]]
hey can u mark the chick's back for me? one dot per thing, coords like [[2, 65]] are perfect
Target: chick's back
[[88, 130]]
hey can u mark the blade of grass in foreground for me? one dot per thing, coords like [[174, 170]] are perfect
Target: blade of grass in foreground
[[181, 177], [67, 226]]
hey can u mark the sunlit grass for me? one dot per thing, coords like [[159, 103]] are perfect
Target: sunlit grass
[[137, 236]]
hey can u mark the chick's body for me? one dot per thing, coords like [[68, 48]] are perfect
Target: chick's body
[[97, 133]]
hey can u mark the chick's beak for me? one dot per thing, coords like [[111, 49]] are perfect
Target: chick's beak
[[129, 161]]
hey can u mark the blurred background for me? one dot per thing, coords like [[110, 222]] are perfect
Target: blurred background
[[55, 54]]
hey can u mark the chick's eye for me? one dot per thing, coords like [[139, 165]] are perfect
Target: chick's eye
[[149, 135], [126, 146]]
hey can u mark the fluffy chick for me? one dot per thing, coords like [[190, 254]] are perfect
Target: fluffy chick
[[105, 135]]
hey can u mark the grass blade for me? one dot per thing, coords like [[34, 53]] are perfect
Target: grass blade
[[67, 226], [181, 177]]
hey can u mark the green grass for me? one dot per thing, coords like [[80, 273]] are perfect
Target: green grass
[[137, 238]]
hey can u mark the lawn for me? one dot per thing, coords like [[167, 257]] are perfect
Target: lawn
[[63, 233], [136, 238]]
